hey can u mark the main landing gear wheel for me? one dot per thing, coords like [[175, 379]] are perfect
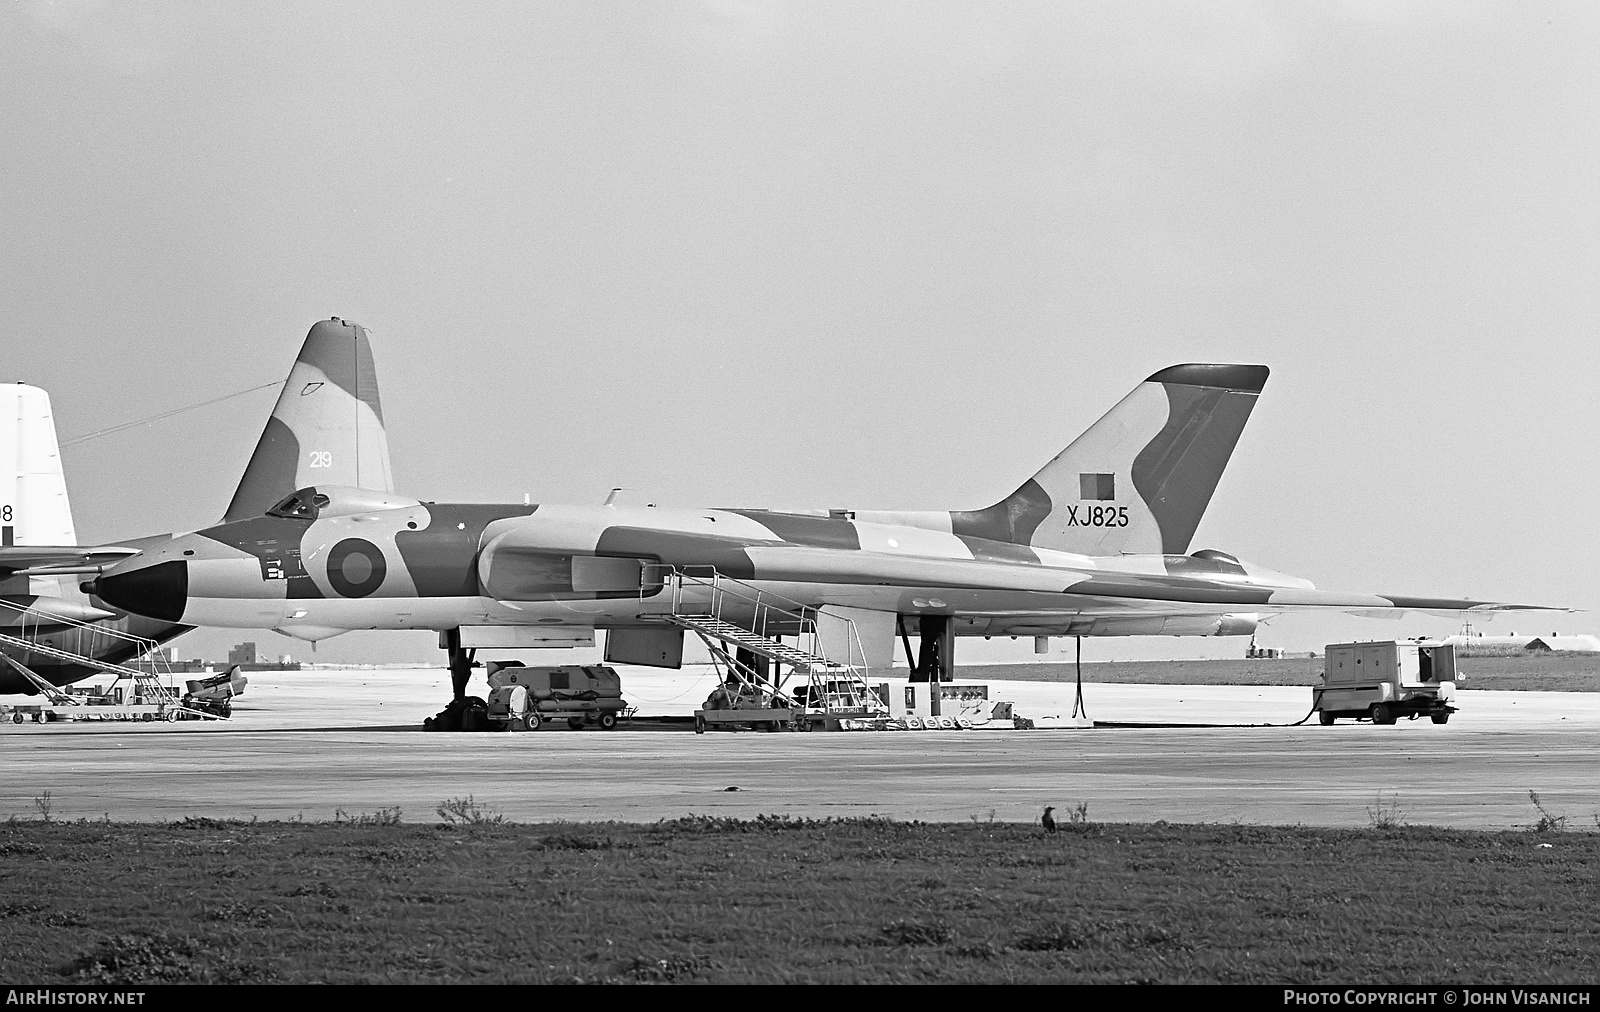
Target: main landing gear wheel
[[608, 721], [1325, 718], [1381, 714]]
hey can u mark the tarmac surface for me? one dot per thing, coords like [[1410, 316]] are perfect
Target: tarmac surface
[[310, 743]]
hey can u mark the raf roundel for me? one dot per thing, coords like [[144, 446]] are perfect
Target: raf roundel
[[356, 567]]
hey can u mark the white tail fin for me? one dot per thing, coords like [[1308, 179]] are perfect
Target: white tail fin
[[327, 428], [33, 493], [1140, 479]]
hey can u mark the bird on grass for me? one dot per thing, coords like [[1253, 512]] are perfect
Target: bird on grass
[[1047, 820]]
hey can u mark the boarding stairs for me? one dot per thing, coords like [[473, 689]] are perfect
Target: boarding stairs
[[147, 683], [706, 602], [742, 638]]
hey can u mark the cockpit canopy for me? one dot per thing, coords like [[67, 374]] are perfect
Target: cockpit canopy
[[322, 501], [305, 504]]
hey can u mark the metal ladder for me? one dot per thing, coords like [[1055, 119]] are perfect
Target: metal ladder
[[702, 601], [147, 684]]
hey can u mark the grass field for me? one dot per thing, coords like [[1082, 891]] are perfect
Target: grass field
[[779, 900], [1557, 672]]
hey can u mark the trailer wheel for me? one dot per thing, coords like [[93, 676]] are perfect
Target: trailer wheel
[[1440, 718], [699, 724], [533, 720], [576, 723], [608, 721], [1325, 718], [16, 718], [1381, 714]]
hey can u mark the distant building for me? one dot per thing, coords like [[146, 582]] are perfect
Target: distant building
[[244, 653], [1581, 644]]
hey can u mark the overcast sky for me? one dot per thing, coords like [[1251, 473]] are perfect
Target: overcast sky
[[824, 255]]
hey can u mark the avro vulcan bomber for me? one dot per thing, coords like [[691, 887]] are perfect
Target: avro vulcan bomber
[[1095, 544]]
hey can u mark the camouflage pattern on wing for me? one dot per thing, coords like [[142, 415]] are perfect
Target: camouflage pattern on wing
[[327, 427], [353, 559]]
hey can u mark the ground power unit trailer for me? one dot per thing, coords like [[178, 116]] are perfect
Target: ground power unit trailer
[[1385, 680]]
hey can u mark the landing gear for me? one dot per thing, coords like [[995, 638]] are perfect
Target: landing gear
[[462, 661], [464, 712], [936, 654]]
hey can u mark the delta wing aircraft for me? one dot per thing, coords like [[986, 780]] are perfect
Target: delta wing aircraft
[[327, 423], [1092, 545]]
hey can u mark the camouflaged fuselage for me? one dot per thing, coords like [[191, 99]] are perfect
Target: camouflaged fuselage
[[415, 565]]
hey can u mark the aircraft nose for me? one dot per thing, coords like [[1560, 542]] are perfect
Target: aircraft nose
[[160, 591]]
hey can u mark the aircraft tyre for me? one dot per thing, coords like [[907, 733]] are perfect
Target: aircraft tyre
[[1325, 718], [1381, 714], [1440, 718], [608, 721]]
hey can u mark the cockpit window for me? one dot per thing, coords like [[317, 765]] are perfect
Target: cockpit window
[[302, 505]]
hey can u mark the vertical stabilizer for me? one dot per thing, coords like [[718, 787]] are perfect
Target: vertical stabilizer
[[33, 493], [1140, 479], [327, 428]]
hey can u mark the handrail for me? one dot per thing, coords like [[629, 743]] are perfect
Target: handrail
[[42, 618], [96, 631], [803, 617]]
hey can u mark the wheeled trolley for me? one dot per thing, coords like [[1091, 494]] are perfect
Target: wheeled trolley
[[1385, 680]]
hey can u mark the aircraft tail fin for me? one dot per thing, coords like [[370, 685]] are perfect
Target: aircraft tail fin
[[327, 427], [34, 509], [1140, 478]]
